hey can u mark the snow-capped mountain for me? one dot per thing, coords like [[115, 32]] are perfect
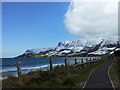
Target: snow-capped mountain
[[97, 46], [37, 51]]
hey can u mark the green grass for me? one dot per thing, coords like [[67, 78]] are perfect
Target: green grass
[[59, 77], [115, 72]]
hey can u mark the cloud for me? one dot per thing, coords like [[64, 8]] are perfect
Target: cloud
[[92, 19]]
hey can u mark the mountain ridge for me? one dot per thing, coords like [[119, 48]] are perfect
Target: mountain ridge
[[97, 46]]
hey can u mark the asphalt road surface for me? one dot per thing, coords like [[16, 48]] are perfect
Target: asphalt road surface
[[99, 78]]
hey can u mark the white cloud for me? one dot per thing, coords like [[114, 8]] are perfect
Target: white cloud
[[92, 19]]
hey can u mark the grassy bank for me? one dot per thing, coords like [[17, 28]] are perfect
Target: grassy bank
[[115, 72], [59, 77]]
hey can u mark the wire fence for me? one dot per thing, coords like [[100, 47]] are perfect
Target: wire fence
[[66, 63]]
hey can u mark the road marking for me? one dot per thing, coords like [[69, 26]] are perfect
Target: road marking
[[110, 77], [88, 78]]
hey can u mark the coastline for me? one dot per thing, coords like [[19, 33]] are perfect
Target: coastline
[[59, 73]]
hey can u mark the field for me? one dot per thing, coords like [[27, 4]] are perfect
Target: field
[[115, 72]]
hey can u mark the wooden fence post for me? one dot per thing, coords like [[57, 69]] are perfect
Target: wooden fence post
[[82, 62], [51, 67], [86, 60], [65, 62], [94, 61], [19, 68], [90, 60], [75, 61]]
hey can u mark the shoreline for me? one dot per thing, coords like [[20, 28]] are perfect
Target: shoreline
[[58, 73]]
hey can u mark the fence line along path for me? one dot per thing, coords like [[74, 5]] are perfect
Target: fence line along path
[[19, 70], [99, 78]]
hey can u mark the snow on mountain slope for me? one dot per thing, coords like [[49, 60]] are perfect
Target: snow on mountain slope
[[36, 51], [93, 42], [110, 41], [75, 45], [102, 51], [91, 46]]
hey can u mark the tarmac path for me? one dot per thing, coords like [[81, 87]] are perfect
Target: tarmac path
[[100, 78]]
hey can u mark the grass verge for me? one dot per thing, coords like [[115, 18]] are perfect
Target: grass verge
[[115, 72], [59, 77]]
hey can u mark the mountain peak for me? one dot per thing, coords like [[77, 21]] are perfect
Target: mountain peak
[[76, 47]]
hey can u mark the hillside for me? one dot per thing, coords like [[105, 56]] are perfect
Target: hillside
[[97, 46]]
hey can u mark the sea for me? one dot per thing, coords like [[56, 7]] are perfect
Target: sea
[[33, 64]]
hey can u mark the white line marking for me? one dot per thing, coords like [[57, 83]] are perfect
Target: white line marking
[[109, 75], [90, 75], [88, 78]]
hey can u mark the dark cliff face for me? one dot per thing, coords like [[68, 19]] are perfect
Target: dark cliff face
[[75, 48], [95, 48], [117, 53]]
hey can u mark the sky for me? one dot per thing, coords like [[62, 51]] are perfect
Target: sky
[[91, 19], [28, 25], [33, 25]]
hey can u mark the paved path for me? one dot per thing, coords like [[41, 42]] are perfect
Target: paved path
[[99, 78]]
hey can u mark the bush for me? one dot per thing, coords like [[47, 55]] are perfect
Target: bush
[[68, 82]]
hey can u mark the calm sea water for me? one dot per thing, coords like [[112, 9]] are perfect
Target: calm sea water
[[32, 64]]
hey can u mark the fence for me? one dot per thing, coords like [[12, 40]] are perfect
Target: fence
[[91, 60]]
